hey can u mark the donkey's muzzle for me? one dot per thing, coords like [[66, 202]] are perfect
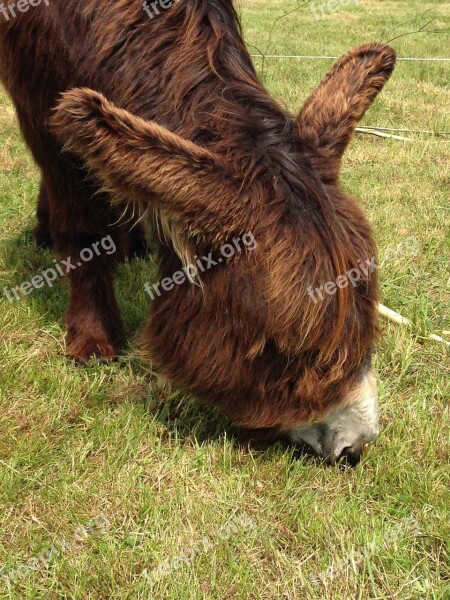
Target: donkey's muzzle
[[344, 433]]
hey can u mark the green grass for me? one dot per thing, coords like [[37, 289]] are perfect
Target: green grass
[[165, 472]]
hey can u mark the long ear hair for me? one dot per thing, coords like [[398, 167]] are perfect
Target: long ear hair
[[142, 161], [329, 117]]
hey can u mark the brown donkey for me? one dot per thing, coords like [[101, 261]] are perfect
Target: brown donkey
[[167, 115]]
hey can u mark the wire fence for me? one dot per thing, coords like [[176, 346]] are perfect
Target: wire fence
[[306, 57], [378, 131]]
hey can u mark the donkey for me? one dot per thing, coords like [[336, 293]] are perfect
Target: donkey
[[167, 117]]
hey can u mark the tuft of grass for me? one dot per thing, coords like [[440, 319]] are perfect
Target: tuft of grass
[[166, 472]]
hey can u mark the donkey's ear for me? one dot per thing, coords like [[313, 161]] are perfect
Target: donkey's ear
[[330, 115], [141, 161]]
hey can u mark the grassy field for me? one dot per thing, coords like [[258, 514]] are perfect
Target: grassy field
[[162, 477]]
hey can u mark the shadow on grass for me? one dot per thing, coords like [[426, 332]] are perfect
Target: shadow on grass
[[187, 420]]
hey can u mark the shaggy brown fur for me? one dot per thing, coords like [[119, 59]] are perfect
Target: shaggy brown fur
[[179, 124]]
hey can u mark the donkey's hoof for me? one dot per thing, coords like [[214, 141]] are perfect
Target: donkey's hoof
[[91, 351]]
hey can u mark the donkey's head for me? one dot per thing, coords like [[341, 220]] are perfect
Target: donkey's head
[[281, 338]]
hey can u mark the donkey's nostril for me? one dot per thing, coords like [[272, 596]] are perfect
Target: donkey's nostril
[[352, 455]]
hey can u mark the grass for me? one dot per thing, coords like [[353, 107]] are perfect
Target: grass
[[165, 472]]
